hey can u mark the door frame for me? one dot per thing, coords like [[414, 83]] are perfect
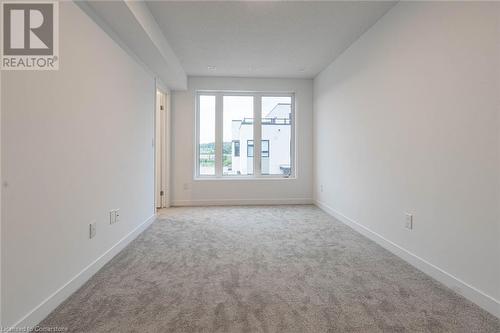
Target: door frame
[[162, 146]]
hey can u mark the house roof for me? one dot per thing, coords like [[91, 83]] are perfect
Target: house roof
[[281, 110]]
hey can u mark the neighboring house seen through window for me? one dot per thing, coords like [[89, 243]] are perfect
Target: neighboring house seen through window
[[233, 115]]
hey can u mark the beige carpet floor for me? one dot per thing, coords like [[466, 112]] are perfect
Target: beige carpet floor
[[262, 269]]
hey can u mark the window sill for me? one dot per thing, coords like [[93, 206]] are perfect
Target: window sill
[[238, 178]]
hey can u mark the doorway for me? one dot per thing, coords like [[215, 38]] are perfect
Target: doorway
[[162, 149]]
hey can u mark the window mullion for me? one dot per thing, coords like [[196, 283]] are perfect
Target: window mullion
[[257, 134], [218, 135], [197, 125], [293, 142]]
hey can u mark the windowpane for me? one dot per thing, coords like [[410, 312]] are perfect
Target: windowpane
[[234, 121], [276, 135], [237, 127], [207, 135], [249, 148], [236, 148], [265, 148]]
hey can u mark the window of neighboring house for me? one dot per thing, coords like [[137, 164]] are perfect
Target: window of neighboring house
[[249, 148], [265, 148], [236, 148], [227, 119]]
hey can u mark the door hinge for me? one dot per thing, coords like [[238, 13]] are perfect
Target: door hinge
[[161, 193], [161, 107]]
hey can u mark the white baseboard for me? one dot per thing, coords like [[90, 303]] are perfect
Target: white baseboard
[[473, 294], [242, 202], [42, 310]]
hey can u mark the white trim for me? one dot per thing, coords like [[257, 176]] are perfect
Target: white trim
[[162, 146], [243, 177], [242, 202], [473, 294], [257, 135], [1, 184], [266, 93], [168, 149], [42, 310], [295, 143], [157, 129], [196, 135], [219, 138]]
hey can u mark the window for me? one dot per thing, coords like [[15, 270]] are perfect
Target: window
[[249, 148], [236, 148], [276, 119], [206, 145], [245, 134], [265, 148], [237, 124]]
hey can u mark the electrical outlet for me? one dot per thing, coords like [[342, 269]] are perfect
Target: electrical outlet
[[117, 215], [92, 229], [409, 221], [114, 216]]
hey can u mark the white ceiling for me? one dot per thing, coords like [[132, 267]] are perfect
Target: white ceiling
[[263, 39]]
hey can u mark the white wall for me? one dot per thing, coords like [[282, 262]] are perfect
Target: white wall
[[407, 120], [187, 191], [75, 143]]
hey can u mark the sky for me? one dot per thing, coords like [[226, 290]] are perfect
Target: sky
[[207, 119], [234, 108]]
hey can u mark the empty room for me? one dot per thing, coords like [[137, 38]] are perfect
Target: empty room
[[250, 166]]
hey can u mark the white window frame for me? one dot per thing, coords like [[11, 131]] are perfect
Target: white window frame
[[257, 135]]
